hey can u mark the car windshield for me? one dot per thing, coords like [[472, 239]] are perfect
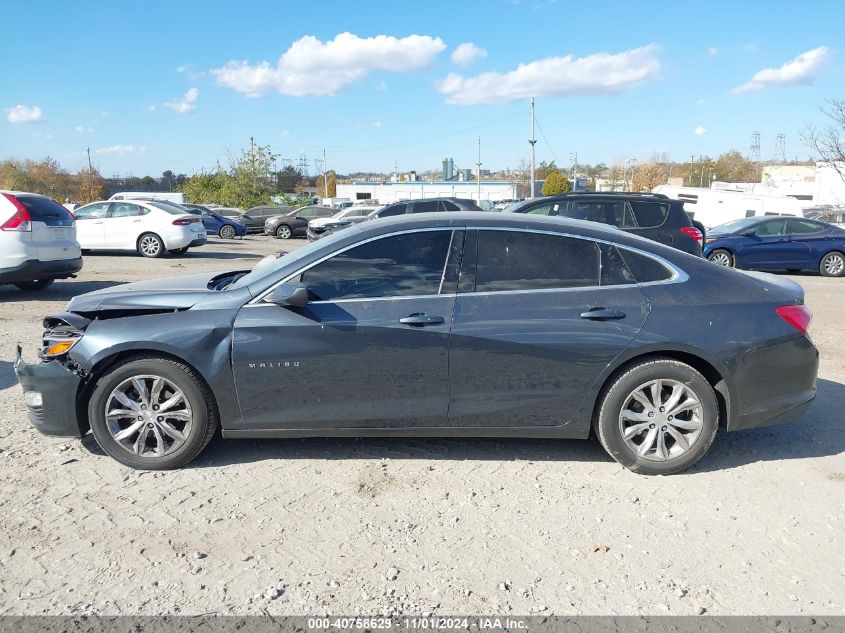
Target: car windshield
[[286, 259], [733, 226], [170, 207]]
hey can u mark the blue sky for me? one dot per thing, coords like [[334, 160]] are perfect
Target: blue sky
[[178, 85]]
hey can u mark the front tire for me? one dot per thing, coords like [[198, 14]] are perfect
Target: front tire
[[227, 232], [832, 264], [283, 232], [150, 245], [721, 257], [152, 413], [38, 284], [658, 418]]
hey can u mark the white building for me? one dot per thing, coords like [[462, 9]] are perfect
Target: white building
[[387, 192]]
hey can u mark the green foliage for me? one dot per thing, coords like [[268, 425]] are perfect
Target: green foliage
[[288, 179], [49, 178], [555, 183]]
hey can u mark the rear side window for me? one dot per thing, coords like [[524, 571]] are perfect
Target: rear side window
[[644, 269], [426, 206], [649, 214], [801, 227], [396, 209], [515, 260], [400, 265], [449, 206], [46, 211]]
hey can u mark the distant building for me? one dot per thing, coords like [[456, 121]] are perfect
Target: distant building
[[387, 192]]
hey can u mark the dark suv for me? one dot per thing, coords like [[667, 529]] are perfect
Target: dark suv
[[426, 205], [652, 215]]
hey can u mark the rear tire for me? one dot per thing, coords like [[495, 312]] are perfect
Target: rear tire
[[150, 245], [722, 257], [195, 414], [38, 284], [227, 232], [832, 264], [283, 232], [647, 440]]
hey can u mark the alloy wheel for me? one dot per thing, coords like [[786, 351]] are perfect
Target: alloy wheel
[[150, 245], [227, 232], [283, 232], [721, 258], [148, 415], [661, 419], [834, 264]]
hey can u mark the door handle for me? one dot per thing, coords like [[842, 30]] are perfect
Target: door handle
[[602, 314], [418, 319]]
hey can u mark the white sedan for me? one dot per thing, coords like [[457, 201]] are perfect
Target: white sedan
[[145, 226]]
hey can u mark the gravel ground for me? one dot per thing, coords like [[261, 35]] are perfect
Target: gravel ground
[[413, 526]]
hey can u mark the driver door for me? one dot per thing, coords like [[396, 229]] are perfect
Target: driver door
[[369, 350]]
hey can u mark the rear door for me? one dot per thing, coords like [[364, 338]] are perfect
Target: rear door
[[90, 225], [371, 348], [538, 317], [809, 241], [651, 220]]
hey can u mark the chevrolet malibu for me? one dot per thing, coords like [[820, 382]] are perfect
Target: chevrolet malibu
[[445, 324]]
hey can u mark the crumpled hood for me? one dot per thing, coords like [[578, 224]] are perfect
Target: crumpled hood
[[170, 293]]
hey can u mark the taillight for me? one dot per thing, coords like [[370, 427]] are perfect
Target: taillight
[[21, 221], [185, 221], [694, 233], [798, 316]]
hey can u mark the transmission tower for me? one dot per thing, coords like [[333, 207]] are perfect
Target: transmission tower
[[754, 154], [780, 149], [303, 165]]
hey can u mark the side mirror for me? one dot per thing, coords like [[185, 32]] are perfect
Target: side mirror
[[748, 233], [289, 294]]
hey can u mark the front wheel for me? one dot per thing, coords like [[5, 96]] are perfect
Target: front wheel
[[284, 232], [38, 284], [658, 418], [722, 257], [150, 245], [832, 264], [152, 413], [227, 232]]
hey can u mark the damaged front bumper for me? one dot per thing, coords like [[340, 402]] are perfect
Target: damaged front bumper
[[50, 390]]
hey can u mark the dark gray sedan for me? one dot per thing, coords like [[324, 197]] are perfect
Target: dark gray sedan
[[452, 324]]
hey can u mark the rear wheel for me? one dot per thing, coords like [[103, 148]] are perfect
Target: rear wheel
[[722, 257], [283, 232], [38, 284], [150, 245], [152, 413], [178, 251], [832, 264], [658, 418], [227, 232]]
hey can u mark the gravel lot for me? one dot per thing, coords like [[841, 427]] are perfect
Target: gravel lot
[[413, 526]]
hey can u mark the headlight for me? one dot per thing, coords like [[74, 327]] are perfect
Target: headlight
[[56, 344]]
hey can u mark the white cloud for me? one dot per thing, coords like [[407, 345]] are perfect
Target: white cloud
[[712, 51], [186, 104], [81, 129], [596, 74], [801, 70], [152, 108], [44, 135], [700, 101], [700, 131], [375, 124], [284, 133], [183, 68], [122, 149], [750, 47], [313, 67], [467, 53], [24, 114]]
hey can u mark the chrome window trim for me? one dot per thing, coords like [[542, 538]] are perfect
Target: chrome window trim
[[678, 275]]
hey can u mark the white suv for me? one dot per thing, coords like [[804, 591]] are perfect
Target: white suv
[[37, 241]]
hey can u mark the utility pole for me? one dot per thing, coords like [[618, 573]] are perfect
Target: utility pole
[[325, 175], [533, 142], [478, 174], [90, 172]]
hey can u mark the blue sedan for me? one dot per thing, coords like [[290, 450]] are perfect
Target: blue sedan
[[778, 243], [216, 224]]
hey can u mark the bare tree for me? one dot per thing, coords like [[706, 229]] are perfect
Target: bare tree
[[829, 143]]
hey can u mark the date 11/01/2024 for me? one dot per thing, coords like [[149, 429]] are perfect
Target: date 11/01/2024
[[421, 623]]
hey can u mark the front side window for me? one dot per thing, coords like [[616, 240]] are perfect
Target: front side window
[[545, 208], [92, 211], [515, 260], [775, 227], [408, 264], [426, 206]]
